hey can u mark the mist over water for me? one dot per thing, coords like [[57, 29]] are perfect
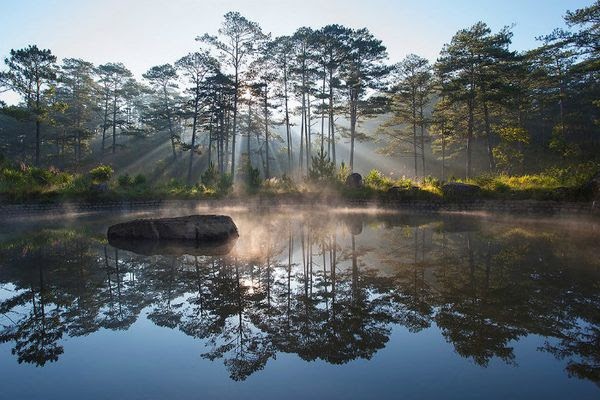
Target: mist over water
[[342, 302]]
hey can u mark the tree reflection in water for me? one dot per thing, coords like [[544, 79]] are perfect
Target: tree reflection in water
[[322, 286]]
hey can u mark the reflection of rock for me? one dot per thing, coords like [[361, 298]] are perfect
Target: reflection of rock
[[354, 180], [461, 190], [173, 247], [199, 228]]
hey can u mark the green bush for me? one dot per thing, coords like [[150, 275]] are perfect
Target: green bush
[[139, 180], [322, 169], [404, 183], [285, 184], [80, 184], [343, 172], [225, 183], [102, 173], [252, 178], [210, 177], [431, 181], [11, 176], [124, 180], [40, 176], [174, 183], [376, 180]]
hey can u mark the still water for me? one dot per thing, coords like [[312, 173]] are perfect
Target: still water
[[307, 304]]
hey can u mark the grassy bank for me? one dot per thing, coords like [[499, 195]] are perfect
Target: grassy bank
[[22, 183]]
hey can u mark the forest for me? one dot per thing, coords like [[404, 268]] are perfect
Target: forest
[[298, 112]]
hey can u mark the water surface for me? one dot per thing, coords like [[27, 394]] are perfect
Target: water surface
[[326, 304]]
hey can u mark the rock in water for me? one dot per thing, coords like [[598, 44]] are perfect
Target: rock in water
[[200, 228]]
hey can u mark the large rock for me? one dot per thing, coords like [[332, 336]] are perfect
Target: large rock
[[460, 190], [198, 228], [354, 180]]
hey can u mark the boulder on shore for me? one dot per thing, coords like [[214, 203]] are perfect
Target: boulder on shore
[[198, 228], [460, 190], [354, 180]]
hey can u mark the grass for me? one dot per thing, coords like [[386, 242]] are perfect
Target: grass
[[21, 183]]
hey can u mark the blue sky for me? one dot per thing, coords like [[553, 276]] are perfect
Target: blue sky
[[142, 33]]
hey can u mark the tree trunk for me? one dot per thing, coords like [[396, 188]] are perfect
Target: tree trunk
[[227, 125], [210, 139], [267, 171], [105, 124], [302, 128], [287, 119], [323, 113], [235, 110], [114, 124], [37, 142], [422, 123], [194, 123], [308, 133], [331, 121], [488, 133], [414, 124], [249, 132], [469, 168], [353, 109], [169, 120], [443, 154]]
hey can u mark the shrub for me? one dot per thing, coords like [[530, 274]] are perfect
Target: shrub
[[343, 172], [285, 184], [139, 179], [404, 183], [41, 176], [252, 178], [210, 177], [174, 183], [101, 173], [376, 180], [124, 180], [322, 169], [225, 183], [12, 176], [79, 184], [431, 181]]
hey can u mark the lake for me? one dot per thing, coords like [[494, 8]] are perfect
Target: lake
[[321, 303]]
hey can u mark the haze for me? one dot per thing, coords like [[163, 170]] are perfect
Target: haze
[[143, 33]]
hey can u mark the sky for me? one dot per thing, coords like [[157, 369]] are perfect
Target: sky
[[143, 33]]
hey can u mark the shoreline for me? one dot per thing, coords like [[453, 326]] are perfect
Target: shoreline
[[515, 207]]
